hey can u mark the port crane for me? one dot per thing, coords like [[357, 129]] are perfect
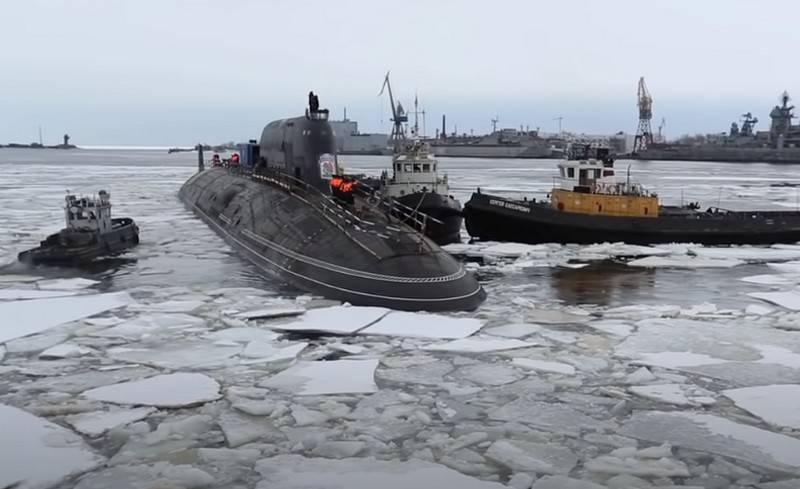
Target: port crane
[[644, 134], [399, 116], [661, 126]]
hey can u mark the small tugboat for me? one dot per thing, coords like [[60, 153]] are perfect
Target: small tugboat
[[415, 184], [90, 233], [590, 205]]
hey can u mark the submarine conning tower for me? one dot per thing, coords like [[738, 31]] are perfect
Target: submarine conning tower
[[303, 147]]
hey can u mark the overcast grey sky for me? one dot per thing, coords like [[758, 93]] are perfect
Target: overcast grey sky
[[164, 72]]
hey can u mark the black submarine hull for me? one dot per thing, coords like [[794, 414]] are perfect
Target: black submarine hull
[[298, 235], [443, 208], [496, 218]]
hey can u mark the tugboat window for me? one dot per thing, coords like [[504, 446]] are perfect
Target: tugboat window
[[570, 172], [417, 168], [426, 167], [408, 167]]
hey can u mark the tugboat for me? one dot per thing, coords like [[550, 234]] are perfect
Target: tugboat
[[592, 206], [415, 184], [90, 233], [291, 212]]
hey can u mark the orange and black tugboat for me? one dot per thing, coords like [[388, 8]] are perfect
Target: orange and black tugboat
[[591, 205]]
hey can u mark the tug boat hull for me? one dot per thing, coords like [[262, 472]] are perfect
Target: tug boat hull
[[491, 217], [443, 208], [72, 248]]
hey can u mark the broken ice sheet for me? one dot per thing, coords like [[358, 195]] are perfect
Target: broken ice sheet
[[180, 354], [18, 294], [298, 472], [157, 475], [423, 325], [778, 404], [544, 366], [747, 253], [96, 423], [146, 325], [259, 352], [522, 456], [789, 299], [677, 394], [684, 262], [480, 345], [167, 391], [335, 320], [709, 433], [37, 453], [326, 377], [25, 317], [514, 330], [66, 284], [64, 350], [271, 313], [770, 280]]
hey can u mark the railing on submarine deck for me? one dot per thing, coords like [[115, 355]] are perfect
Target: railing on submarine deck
[[330, 207]]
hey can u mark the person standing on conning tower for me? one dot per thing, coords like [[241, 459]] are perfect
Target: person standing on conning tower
[[313, 102]]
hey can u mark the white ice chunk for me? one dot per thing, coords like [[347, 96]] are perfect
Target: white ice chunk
[[297, 472], [757, 310], [242, 335], [180, 354], [331, 377], [168, 391], [2, 352], [532, 457], [564, 482], [66, 284], [168, 306], [792, 267], [422, 325], [514, 330], [18, 294], [96, 423], [480, 345], [334, 320], [776, 404], [266, 353], [769, 280], [684, 262], [147, 325], [678, 394], [510, 250], [788, 299], [339, 449], [747, 253], [677, 359], [709, 433], [305, 417], [157, 475], [544, 366], [271, 313], [37, 453], [550, 316], [555, 417], [22, 318], [612, 326], [640, 376], [661, 467], [64, 350]]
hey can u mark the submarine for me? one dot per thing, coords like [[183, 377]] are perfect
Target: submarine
[[287, 208]]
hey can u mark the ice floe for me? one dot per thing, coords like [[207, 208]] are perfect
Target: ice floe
[[792, 267], [18, 294], [37, 453], [522, 456], [746, 253], [789, 299], [64, 350], [421, 325], [544, 366], [271, 313], [326, 377], [167, 391], [259, 352], [514, 330], [710, 433], [564, 482], [297, 472], [677, 394], [685, 262], [26, 317], [95, 423], [776, 404], [178, 354], [642, 467], [66, 284], [157, 475], [480, 345], [147, 325], [242, 335], [768, 279], [342, 320]]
